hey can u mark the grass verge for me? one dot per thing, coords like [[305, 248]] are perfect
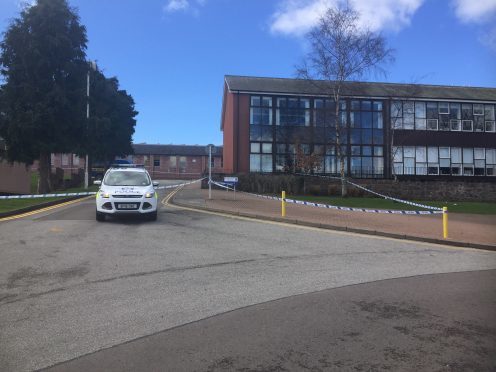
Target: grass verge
[[14, 204], [9, 205], [379, 203]]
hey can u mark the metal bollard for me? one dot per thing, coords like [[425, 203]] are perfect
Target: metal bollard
[[445, 222], [283, 204]]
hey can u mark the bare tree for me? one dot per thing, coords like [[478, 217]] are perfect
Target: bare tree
[[397, 114], [306, 162], [340, 51]]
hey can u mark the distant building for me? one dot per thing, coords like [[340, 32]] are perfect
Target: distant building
[[407, 130], [176, 161]]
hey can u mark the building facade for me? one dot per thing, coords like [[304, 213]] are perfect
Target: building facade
[[388, 130], [176, 161]]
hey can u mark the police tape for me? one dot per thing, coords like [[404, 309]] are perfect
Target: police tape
[[329, 206], [179, 185], [38, 196], [85, 193], [222, 185], [376, 193]]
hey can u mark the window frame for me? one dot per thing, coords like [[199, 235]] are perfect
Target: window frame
[[432, 120], [471, 125]]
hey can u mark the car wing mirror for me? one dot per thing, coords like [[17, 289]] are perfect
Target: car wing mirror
[[156, 183]]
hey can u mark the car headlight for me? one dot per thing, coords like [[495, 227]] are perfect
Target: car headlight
[[149, 195], [104, 194]]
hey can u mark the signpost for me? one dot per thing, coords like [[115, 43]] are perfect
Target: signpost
[[231, 181], [211, 148]]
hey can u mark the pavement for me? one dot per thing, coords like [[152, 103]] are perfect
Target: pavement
[[469, 230], [71, 287]]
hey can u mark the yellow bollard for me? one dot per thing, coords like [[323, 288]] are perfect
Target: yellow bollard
[[445, 222], [283, 204]]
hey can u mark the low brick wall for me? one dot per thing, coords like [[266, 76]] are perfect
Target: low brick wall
[[14, 178], [456, 190]]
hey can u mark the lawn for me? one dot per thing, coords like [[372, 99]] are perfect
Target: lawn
[[13, 204], [379, 203]]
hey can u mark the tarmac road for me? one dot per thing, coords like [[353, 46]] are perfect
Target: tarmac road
[[71, 286]]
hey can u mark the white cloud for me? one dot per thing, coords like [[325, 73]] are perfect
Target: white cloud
[[481, 12], [21, 4], [474, 10], [184, 6], [296, 17], [176, 5]]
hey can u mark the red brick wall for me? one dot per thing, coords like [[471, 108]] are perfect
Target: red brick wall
[[228, 132], [14, 178], [244, 134], [195, 166]]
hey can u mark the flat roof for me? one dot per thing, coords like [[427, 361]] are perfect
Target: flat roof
[[267, 85]]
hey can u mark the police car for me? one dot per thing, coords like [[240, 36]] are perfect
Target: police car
[[126, 189]]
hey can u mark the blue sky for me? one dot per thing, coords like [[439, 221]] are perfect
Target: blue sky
[[172, 55]]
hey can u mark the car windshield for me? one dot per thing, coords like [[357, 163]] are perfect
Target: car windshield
[[127, 178]]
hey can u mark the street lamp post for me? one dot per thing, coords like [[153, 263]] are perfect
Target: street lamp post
[[210, 171], [86, 172]]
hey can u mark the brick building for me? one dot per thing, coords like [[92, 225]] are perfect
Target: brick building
[[176, 161], [410, 131]]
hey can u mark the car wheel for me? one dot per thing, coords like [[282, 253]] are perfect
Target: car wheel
[[152, 216], [100, 217]]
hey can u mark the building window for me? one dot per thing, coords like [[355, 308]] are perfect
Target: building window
[[491, 162], [396, 115], [490, 126], [456, 125], [479, 123], [261, 110], [172, 164], [478, 109], [65, 159], [267, 148], [293, 112], [444, 108], [255, 147], [467, 125], [324, 113], [156, 162], [75, 160], [432, 124], [182, 164]]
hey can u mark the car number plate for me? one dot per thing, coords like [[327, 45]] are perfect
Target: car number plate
[[127, 206]]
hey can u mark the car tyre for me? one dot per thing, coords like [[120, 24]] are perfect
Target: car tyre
[[152, 216], [100, 217]]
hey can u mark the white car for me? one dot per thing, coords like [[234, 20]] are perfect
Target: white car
[[126, 189]]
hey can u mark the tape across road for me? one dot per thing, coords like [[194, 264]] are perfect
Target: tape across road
[[336, 207], [179, 185], [37, 196], [376, 193], [86, 193], [329, 206]]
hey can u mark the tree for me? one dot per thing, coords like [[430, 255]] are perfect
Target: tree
[[341, 51], [43, 63], [402, 117], [305, 161], [112, 120]]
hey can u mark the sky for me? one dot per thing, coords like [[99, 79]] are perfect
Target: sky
[[172, 55]]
